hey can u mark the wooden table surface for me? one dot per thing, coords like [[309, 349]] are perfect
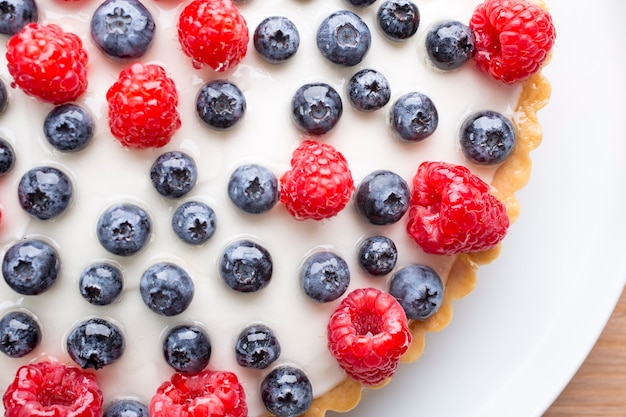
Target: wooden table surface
[[599, 387]]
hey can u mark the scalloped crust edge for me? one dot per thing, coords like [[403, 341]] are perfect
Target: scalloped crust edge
[[510, 177]]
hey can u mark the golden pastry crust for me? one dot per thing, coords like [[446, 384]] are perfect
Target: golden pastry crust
[[510, 177]]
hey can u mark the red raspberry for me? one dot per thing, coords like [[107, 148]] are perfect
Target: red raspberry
[[213, 33], [452, 211], [48, 63], [53, 389], [319, 184], [143, 107], [205, 394], [367, 334], [513, 38]]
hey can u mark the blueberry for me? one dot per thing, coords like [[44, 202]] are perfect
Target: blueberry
[[31, 266], [68, 128], [166, 288], [95, 343], [253, 188], [220, 104], [316, 108], [413, 117], [418, 289], [276, 39], [378, 255], [173, 174], [368, 90], [343, 38], [324, 276], [7, 157], [4, 96], [20, 334], [257, 347], [383, 197], [487, 137], [45, 192], [398, 19], [15, 14], [187, 348], [124, 229], [246, 266], [286, 391], [122, 28], [449, 44], [126, 408], [101, 283], [194, 222], [361, 3]]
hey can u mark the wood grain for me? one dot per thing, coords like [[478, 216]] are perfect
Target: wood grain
[[599, 387]]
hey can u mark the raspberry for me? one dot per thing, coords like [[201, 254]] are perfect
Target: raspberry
[[53, 389], [513, 38], [319, 184], [367, 334], [48, 63], [213, 33], [205, 394], [452, 211], [143, 107]]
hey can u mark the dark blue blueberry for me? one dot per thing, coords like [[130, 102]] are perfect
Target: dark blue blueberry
[[20, 334], [368, 90], [361, 3], [286, 392], [173, 174], [487, 137], [257, 347], [124, 229], [276, 39], [316, 108], [7, 157], [418, 289], [253, 188], [4, 96], [45, 192], [31, 266], [398, 19], [449, 44], [95, 343], [343, 38], [101, 283], [220, 104], [413, 117], [194, 222], [166, 289], [383, 197], [68, 127], [378, 255], [126, 408], [324, 276], [187, 348], [246, 266], [122, 28], [15, 14]]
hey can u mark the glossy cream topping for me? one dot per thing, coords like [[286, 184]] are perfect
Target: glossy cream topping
[[105, 173]]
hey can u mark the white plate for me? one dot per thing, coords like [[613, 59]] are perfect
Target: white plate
[[517, 340]]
